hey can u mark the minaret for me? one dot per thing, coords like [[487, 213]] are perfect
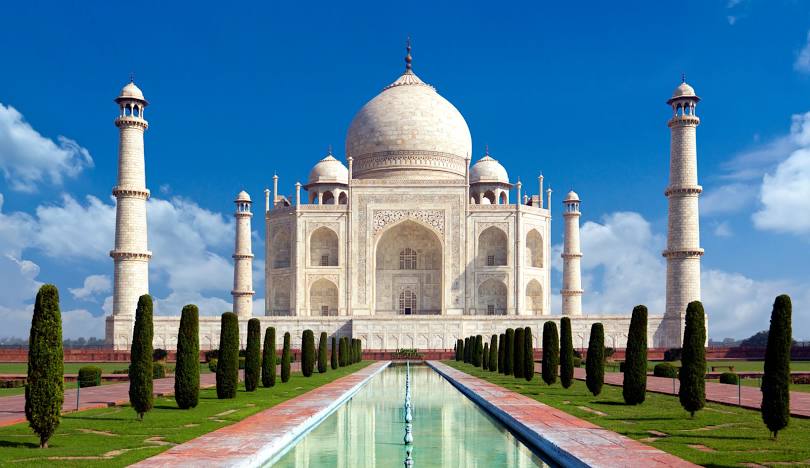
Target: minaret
[[130, 254], [572, 275], [243, 259], [683, 231]]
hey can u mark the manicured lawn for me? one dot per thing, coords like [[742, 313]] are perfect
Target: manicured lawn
[[719, 435], [73, 367], [114, 436], [757, 382], [11, 391], [740, 366]]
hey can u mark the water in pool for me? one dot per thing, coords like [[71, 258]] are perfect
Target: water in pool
[[449, 430]]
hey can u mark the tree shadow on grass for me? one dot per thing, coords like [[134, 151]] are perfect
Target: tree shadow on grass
[[10, 444], [132, 417], [610, 403], [167, 407], [650, 418]]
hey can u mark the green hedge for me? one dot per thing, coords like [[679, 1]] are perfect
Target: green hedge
[[634, 380], [212, 365], [665, 369], [322, 350], [141, 364], [692, 376], [494, 352], [158, 371], [595, 359], [89, 376], [269, 358], [187, 368], [229, 361], [333, 360], [253, 355], [776, 378], [509, 352], [566, 353], [307, 353], [285, 359], [729, 378], [519, 364], [551, 352]]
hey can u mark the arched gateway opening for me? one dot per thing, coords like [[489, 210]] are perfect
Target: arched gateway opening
[[408, 271]]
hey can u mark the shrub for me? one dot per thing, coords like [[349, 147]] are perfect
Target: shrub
[[211, 354], [334, 358], [479, 351], [692, 392], [342, 352], [253, 355], [665, 369], [459, 349], [159, 354], [493, 353], [228, 365], [242, 362], [621, 367], [609, 352], [212, 365], [551, 352], [566, 353], [141, 364], [501, 352], [776, 378], [485, 357], [509, 352], [89, 376], [45, 391], [634, 383], [307, 352], [595, 360], [672, 355], [187, 368], [528, 359], [519, 365], [322, 353], [729, 378], [285, 359], [467, 350], [158, 370], [577, 361], [269, 358]]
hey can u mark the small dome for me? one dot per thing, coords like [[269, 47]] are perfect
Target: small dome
[[329, 171], [130, 91], [243, 197], [572, 197], [684, 91], [488, 170]]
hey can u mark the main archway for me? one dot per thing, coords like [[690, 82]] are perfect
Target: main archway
[[408, 271]]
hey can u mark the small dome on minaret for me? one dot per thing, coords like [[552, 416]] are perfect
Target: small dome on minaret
[[571, 196], [683, 91], [131, 91], [242, 197]]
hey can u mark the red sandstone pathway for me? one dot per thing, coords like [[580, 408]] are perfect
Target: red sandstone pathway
[[12, 408], [586, 441], [749, 397], [256, 439]]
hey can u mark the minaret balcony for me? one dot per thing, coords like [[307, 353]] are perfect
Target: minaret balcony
[[131, 192], [130, 121], [682, 253], [683, 190]]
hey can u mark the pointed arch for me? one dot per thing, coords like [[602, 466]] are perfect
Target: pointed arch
[[534, 297], [492, 297], [323, 298], [492, 247], [534, 249], [323, 247], [280, 248]]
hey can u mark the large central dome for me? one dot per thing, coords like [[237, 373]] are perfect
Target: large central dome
[[408, 131]]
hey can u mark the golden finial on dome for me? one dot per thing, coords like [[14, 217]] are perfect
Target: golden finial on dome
[[408, 58]]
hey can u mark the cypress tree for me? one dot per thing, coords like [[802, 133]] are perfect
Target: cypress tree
[[334, 356], [45, 391], [352, 351], [501, 352], [509, 352], [356, 349], [253, 355], [479, 350], [459, 349], [693, 360], [285, 359], [322, 353], [187, 368], [485, 357], [566, 353], [528, 359], [228, 361], [359, 350], [776, 378], [307, 353], [519, 365], [466, 355], [269, 358], [342, 352], [140, 367], [494, 353], [595, 360], [634, 386], [551, 352]]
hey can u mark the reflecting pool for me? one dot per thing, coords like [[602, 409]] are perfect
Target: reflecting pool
[[449, 430]]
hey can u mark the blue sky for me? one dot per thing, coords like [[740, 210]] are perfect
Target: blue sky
[[576, 91]]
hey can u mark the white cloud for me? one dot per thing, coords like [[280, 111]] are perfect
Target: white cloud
[[27, 158], [174, 302], [622, 267], [93, 285], [785, 196], [723, 230], [730, 198], [80, 323], [75, 231], [802, 63]]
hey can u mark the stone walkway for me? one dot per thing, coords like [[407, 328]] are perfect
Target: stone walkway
[[258, 438], [570, 440], [12, 408], [749, 397]]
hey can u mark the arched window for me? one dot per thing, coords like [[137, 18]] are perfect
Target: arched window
[[407, 259], [534, 297], [534, 249], [489, 195], [407, 302], [280, 248], [323, 247], [503, 198], [343, 199], [328, 198], [492, 247]]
